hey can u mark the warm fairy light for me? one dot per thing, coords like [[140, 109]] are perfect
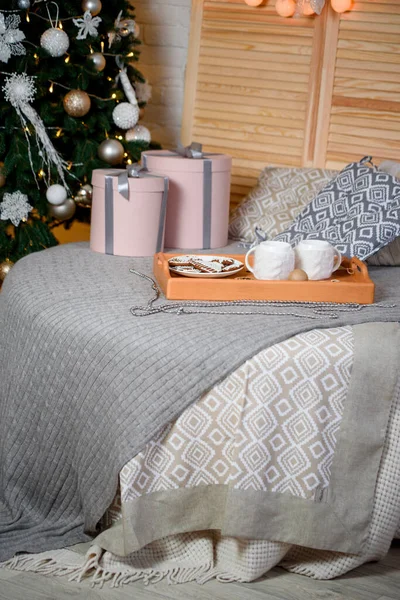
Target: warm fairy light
[[69, 167], [129, 161], [60, 25], [36, 56], [51, 88], [113, 96], [41, 173], [59, 132], [109, 78], [67, 59], [102, 46], [91, 50], [130, 54], [125, 154], [27, 17], [119, 137]]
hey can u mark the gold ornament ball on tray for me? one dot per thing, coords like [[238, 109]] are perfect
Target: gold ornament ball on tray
[[94, 6], [55, 41], [97, 61], [76, 103], [298, 275], [5, 268], [2, 176], [111, 151], [84, 196], [64, 211]]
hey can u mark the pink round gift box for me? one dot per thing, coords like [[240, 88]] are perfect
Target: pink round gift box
[[135, 221], [185, 216]]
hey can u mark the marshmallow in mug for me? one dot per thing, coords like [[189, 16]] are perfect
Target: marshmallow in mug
[[272, 260], [318, 258]]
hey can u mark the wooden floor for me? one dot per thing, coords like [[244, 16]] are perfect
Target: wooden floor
[[375, 581]]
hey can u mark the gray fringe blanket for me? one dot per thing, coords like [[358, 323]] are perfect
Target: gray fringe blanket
[[84, 384]]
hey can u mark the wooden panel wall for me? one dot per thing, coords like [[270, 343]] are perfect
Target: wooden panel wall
[[319, 90]]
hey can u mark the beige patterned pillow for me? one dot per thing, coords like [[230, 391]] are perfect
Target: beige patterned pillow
[[280, 195]]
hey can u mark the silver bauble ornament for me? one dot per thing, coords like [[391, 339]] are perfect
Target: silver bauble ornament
[[84, 196], [111, 151], [94, 6], [76, 103], [2, 176], [125, 115], [64, 211], [56, 194], [138, 133], [55, 41], [24, 4], [97, 60], [5, 268]]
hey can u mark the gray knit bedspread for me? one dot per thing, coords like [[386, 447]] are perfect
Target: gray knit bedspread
[[84, 384]]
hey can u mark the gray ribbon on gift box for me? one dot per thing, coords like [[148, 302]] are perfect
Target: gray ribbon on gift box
[[135, 171], [195, 151]]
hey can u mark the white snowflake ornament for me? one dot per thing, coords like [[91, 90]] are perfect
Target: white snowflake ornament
[[10, 37], [87, 25], [15, 207]]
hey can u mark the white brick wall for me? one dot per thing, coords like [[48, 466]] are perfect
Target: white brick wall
[[164, 31]]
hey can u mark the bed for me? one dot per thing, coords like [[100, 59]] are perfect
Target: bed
[[131, 440]]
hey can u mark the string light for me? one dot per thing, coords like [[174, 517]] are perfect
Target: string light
[[59, 132], [129, 161], [67, 59], [41, 173], [27, 17], [69, 167], [125, 154], [113, 96], [130, 55], [60, 25], [119, 137], [51, 88], [91, 49], [102, 46]]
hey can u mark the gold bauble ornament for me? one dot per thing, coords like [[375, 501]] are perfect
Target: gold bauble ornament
[[97, 61], [76, 103], [111, 151], [94, 6], [64, 211], [84, 196], [2, 176], [5, 268]]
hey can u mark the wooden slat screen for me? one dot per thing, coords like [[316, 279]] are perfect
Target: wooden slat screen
[[319, 90]]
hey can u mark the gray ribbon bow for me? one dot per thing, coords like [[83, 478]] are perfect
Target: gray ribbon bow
[[195, 150], [123, 183]]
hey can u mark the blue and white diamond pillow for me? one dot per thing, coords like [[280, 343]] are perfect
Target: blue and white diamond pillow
[[358, 212]]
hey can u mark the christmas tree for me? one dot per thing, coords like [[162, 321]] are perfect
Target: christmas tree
[[71, 101]]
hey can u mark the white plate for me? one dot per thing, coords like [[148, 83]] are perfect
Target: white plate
[[209, 258]]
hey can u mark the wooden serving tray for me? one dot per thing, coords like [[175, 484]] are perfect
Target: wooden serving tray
[[350, 283]]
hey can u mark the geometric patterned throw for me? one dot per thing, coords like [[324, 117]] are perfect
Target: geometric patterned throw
[[272, 425], [358, 212]]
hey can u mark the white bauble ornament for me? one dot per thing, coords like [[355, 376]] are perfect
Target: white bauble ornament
[[56, 194], [125, 115], [93, 5], [55, 41], [97, 60], [138, 133], [24, 4], [111, 151]]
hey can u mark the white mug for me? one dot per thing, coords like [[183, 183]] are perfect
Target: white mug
[[272, 260], [317, 258]]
